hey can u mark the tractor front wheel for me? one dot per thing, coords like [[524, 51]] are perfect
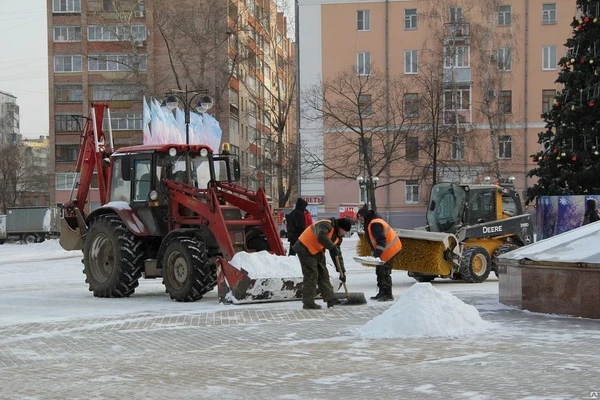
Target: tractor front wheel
[[505, 248], [475, 264], [188, 273], [112, 258]]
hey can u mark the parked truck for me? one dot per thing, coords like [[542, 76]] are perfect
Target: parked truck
[[29, 224]]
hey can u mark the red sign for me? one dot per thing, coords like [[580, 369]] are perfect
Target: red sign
[[315, 199], [349, 212]]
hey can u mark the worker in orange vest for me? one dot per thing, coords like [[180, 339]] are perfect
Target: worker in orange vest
[[385, 244], [310, 248]]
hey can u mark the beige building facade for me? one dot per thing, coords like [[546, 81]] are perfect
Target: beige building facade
[[495, 63]]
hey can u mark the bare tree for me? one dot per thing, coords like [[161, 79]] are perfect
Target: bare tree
[[368, 134]]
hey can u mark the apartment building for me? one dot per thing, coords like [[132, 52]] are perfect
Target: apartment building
[[120, 51], [9, 119], [492, 64], [35, 153]]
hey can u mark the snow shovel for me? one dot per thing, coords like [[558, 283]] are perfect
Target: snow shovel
[[353, 298]]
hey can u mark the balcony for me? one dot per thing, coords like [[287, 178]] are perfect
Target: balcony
[[457, 33]]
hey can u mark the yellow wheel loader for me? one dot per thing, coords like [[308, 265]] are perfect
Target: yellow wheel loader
[[468, 227]]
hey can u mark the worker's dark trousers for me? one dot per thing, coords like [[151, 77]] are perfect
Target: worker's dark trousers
[[314, 272], [384, 278]]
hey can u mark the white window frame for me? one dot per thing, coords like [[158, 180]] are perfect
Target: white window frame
[[363, 20], [66, 6], [409, 112], [122, 121], [549, 13], [504, 56], [504, 15], [458, 148], [410, 20], [460, 59], [411, 189], [70, 33], [74, 62], [123, 92], [116, 62], [64, 180], [117, 33], [547, 63], [456, 15], [505, 147], [363, 63], [365, 105], [411, 62], [74, 93]]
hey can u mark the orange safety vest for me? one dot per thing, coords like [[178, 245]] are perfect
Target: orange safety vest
[[309, 238], [392, 242]]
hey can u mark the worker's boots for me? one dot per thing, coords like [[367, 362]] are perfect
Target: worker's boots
[[376, 297], [311, 306], [385, 295]]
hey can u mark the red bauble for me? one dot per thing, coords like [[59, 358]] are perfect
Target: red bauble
[[534, 159], [582, 60], [591, 104], [555, 151], [574, 159], [586, 19]]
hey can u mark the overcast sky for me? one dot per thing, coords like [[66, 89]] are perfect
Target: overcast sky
[[23, 61]]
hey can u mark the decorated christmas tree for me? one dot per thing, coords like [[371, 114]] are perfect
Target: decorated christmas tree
[[568, 162]]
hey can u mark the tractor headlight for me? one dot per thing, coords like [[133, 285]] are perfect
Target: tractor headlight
[[153, 195], [172, 151], [203, 152]]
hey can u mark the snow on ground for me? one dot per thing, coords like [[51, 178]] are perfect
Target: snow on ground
[[424, 311]]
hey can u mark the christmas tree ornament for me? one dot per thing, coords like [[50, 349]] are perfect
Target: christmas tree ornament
[[563, 154], [572, 108], [591, 104]]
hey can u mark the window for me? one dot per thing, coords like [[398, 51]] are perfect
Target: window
[[457, 105], [117, 62], [504, 146], [410, 18], [68, 94], [120, 189], [67, 63], [410, 62], [457, 56], [363, 63], [458, 148], [504, 16], [141, 185], [120, 121], [412, 148], [114, 33], [549, 13], [411, 105], [115, 92], [456, 15], [234, 97], [504, 59], [364, 105], [67, 34], [233, 68], [67, 123], [547, 99], [66, 6], [363, 20], [505, 102], [412, 192], [234, 126], [107, 5], [549, 58], [66, 152], [64, 180]]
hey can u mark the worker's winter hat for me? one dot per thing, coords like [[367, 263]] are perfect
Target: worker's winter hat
[[345, 224], [363, 211]]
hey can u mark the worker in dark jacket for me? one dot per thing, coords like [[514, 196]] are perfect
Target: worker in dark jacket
[[296, 223], [323, 235], [386, 245]]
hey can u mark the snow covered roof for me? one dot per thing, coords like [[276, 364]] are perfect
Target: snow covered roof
[[581, 245]]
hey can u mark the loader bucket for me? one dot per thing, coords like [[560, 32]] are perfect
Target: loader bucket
[[236, 287], [424, 252], [70, 238]]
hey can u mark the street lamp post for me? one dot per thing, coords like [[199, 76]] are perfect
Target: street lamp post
[[367, 187], [187, 97]]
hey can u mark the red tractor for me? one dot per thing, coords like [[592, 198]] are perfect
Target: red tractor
[[170, 210]]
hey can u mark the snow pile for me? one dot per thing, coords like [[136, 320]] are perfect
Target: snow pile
[[48, 250], [263, 264], [424, 311]]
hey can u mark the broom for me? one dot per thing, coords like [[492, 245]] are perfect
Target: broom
[[417, 255]]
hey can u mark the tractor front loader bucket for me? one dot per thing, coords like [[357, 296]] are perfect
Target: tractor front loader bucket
[[236, 287], [71, 233], [423, 252]]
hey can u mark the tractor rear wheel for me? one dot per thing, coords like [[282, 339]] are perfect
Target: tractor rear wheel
[[188, 272], [475, 264], [112, 258], [505, 248]]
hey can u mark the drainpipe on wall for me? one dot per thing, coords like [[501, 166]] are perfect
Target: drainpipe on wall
[[298, 142], [387, 109], [526, 93]]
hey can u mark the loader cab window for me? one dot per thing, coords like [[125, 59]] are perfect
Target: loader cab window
[[173, 168], [482, 207], [120, 189], [445, 208], [142, 178], [509, 206]]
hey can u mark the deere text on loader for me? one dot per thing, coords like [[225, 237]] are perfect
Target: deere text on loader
[[468, 227], [172, 211]]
